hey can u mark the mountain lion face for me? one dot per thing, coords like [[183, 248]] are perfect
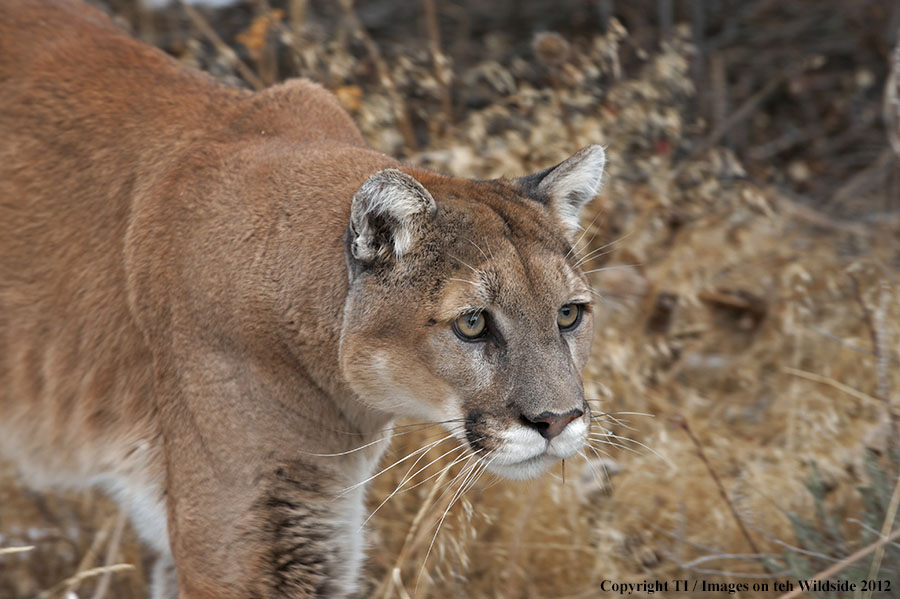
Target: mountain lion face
[[466, 308]]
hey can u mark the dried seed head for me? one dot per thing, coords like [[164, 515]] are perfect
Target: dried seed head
[[550, 49]]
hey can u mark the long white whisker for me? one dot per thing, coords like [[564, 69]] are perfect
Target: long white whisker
[[473, 283], [605, 479], [424, 424], [401, 460], [597, 293], [462, 488], [493, 481], [450, 465], [605, 441], [580, 237], [620, 421], [574, 249], [349, 451], [478, 248], [369, 444], [602, 247], [408, 477], [419, 459], [469, 266], [469, 480], [616, 421], [615, 267], [627, 440], [600, 453], [396, 427], [639, 444], [488, 246], [594, 472], [633, 414], [593, 255], [471, 462]]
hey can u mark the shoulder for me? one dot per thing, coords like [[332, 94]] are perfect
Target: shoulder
[[305, 111]]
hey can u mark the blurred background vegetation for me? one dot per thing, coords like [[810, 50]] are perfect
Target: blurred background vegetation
[[746, 248]]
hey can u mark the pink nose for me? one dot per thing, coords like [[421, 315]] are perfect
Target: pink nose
[[549, 424]]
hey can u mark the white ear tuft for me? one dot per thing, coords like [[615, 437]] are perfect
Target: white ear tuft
[[386, 215], [570, 185]]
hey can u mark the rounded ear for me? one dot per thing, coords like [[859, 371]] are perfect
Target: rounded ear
[[387, 215], [567, 187]]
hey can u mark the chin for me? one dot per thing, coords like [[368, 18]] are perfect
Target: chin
[[526, 469]]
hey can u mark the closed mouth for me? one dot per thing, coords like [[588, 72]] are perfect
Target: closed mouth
[[520, 453]]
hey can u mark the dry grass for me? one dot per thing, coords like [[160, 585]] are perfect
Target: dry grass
[[768, 329]]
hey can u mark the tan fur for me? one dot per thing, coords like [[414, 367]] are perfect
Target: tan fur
[[189, 310]]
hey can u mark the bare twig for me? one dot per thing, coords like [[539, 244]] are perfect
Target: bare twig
[[750, 106], [563, 110], [209, 33], [683, 423], [297, 14], [865, 180], [844, 343], [795, 206], [818, 378], [875, 324], [885, 528], [731, 574], [745, 110], [401, 114], [111, 550], [440, 61], [398, 584], [552, 52], [513, 582], [260, 34], [738, 556], [392, 580], [80, 577], [718, 93], [847, 561], [88, 559], [11, 550], [881, 350], [892, 101]]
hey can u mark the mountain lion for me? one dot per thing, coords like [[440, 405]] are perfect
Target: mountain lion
[[212, 300]]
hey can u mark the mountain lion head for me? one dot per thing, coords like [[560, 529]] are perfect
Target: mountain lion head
[[466, 307]]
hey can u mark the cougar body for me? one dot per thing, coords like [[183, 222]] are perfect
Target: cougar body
[[211, 299]]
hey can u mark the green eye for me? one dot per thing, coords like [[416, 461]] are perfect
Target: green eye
[[470, 326], [568, 316]]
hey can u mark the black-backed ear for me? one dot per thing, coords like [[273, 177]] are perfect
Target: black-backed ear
[[387, 215], [568, 186]]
